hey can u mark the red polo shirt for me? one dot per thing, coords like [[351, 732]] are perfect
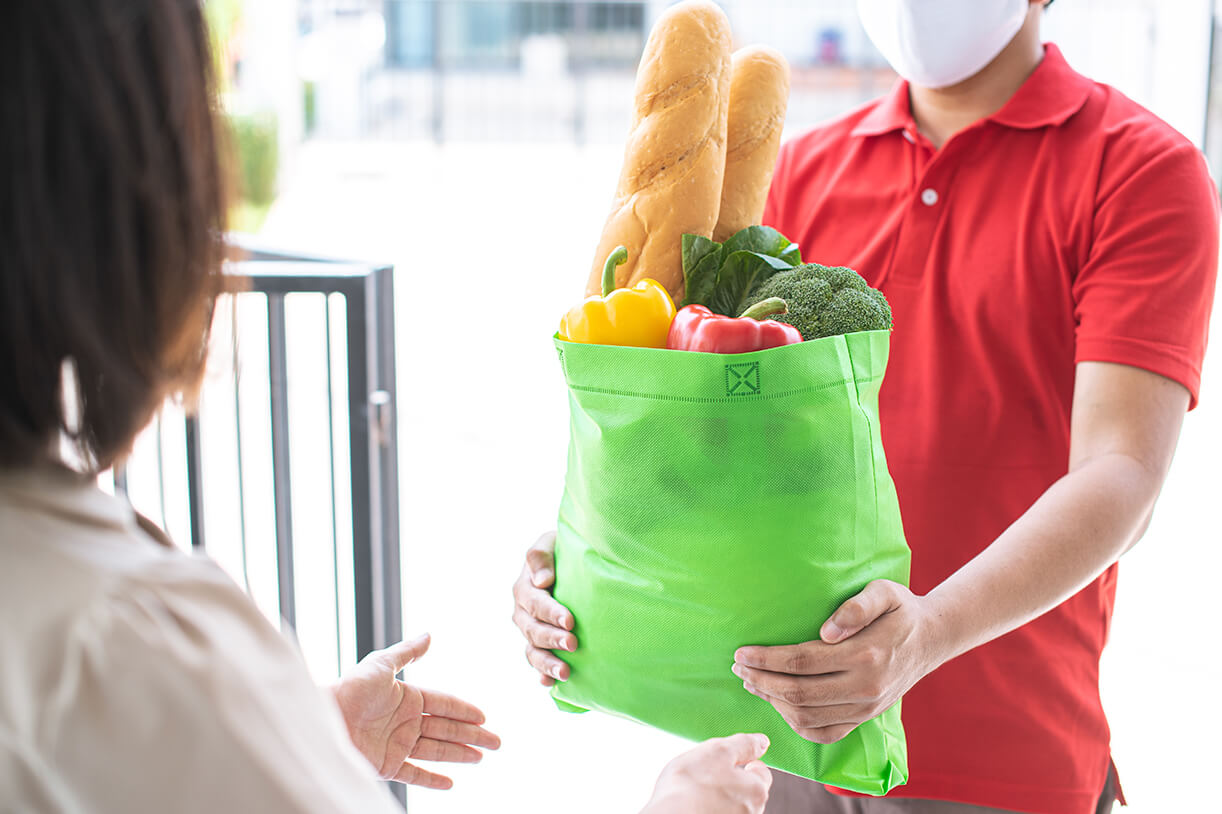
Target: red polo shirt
[[1071, 225]]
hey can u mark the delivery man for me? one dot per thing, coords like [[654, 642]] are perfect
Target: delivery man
[[1050, 252]]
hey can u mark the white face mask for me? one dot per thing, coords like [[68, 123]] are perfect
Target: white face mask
[[936, 43]]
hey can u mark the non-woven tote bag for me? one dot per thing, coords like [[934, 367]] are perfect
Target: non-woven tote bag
[[714, 501]]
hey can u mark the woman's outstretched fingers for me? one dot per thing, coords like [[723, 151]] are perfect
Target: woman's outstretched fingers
[[445, 729], [758, 767], [447, 706], [445, 752], [415, 776], [742, 749], [403, 653]]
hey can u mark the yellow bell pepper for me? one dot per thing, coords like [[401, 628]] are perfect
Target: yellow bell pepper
[[639, 316]]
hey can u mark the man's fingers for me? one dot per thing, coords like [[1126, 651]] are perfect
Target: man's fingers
[[445, 752], [860, 611], [787, 688], [810, 658], [543, 577], [810, 718], [403, 653], [446, 729], [540, 561], [447, 706], [539, 605], [545, 623], [544, 636], [415, 776], [804, 718], [801, 691], [547, 664]]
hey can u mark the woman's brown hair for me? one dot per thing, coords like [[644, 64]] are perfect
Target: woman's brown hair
[[111, 218]]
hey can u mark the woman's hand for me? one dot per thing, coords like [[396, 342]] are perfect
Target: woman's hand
[[720, 776], [390, 721], [872, 650], [545, 623]]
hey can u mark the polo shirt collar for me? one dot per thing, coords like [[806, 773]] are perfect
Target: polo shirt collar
[[1052, 94], [892, 113]]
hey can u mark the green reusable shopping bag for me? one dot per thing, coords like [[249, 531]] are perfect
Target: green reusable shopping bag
[[714, 501]]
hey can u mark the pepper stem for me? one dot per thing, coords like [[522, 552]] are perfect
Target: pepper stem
[[766, 308], [616, 258]]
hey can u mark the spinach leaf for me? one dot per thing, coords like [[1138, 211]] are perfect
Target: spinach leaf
[[791, 255], [741, 272], [723, 275], [761, 239], [701, 260]]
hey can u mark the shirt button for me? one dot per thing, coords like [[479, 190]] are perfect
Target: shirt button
[[929, 197]]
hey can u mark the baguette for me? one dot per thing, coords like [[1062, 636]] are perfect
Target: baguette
[[670, 183], [759, 95]]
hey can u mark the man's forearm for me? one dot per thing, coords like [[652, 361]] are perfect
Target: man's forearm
[[881, 641], [1077, 528]]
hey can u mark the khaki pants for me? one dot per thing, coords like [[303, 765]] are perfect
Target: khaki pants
[[797, 795]]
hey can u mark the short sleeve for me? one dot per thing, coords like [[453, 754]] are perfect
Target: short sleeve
[[1144, 295], [178, 695]]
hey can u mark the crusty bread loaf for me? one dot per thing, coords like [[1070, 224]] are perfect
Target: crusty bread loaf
[[676, 155], [759, 95]]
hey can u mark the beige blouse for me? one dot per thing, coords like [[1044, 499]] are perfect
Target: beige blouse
[[135, 678]]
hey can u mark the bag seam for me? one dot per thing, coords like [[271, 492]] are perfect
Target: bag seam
[[608, 391]]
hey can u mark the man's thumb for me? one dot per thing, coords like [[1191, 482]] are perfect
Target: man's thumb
[[859, 612]]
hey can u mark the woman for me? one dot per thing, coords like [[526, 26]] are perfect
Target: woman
[[134, 678]]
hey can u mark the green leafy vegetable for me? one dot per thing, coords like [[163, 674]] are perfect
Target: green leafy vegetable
[[740, 273], [722, 276], [701, 261], [763, 240]]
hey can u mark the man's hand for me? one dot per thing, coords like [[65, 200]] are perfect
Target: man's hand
[[544, 622], [872, 650], [390, 721], [720, 776], [1124, 427]]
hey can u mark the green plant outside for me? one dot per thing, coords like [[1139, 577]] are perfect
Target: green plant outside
[[310, 106], [255, 139], [223, 17]]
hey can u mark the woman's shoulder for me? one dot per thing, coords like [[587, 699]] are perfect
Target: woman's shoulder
[[140, 659], [75, 556], [87, 589]]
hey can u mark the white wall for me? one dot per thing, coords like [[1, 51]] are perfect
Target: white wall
[[1157, 53]]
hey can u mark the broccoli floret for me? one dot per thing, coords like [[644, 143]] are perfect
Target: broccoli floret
[[826, 300]]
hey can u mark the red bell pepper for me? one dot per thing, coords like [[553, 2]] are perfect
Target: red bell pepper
[[699, 329]]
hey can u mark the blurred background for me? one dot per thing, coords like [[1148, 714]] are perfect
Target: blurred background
[[473, 146]]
